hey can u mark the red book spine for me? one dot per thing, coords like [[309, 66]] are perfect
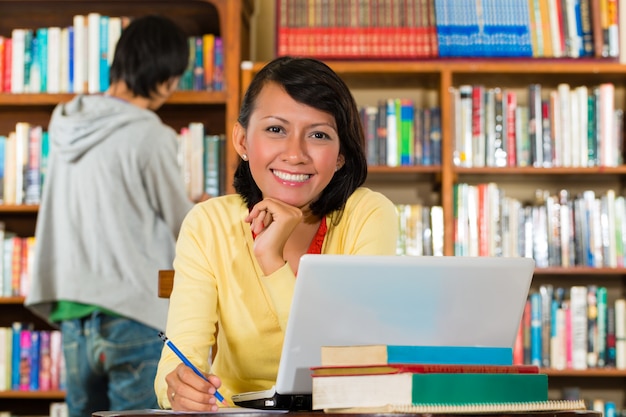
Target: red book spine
[[322, 371], [511, 106]]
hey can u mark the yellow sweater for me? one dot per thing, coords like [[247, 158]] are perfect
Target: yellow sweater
[[218, 282]]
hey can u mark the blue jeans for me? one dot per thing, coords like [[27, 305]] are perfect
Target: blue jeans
[[111, 364]]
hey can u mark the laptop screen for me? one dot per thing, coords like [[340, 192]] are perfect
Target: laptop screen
[[399, 300]]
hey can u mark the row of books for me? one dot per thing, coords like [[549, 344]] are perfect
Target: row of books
[[77, 58], [398, 132], [16, 257], [440, 28], [563, 127], [24, 161], [556, 230], [572, 328], [205, 71], [201, 157], [428, 379], [31, 360], [420, 230], [23, 164]]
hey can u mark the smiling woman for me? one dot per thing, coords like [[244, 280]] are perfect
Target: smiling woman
[[299, 190]]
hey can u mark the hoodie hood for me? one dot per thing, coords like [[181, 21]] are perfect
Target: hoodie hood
[[85, 121]]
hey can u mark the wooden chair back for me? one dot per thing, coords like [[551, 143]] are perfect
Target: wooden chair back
[[166, 282]]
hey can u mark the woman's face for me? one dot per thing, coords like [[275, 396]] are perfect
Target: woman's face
[[293, 149]]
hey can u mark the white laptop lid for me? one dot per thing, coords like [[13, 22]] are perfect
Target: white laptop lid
[[399, 300]]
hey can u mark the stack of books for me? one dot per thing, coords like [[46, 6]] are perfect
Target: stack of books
[[429, 379]]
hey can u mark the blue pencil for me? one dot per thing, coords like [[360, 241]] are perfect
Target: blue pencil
[[188, 363]]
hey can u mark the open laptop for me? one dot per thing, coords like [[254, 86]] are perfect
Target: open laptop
[[396, 300]]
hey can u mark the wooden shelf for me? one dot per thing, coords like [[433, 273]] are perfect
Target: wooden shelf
[[19, 208], [12, 300], [34, 395], [621, 170], [44, 99]]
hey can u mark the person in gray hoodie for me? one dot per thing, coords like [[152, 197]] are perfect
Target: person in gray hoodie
[[112, 205]]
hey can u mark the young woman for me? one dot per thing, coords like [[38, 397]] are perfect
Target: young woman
[[299, 190]]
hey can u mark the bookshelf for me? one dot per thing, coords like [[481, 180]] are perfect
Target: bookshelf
[[428, 82], [216, 110]]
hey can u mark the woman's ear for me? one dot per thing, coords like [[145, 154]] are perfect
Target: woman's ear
[[341, 160], [239, 140]]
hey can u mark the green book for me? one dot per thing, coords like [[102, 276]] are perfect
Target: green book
[[478, 388], [433, 389]]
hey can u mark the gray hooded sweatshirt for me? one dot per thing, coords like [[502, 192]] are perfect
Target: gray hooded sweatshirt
[[112, 205]]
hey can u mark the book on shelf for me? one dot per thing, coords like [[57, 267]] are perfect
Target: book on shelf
[[412, 354], [434, 388], [419, 368]]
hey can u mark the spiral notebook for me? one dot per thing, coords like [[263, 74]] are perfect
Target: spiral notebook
[[551, 405], [401, 300]]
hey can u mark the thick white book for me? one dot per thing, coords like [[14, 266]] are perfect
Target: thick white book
[[54, 60], [93, 52], [17, 60], [80, 54], [578, 300]]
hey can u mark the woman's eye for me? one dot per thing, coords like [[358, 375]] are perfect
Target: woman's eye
[[320, 135], [274, 129]]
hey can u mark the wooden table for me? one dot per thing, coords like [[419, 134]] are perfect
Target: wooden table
[[251, 413]]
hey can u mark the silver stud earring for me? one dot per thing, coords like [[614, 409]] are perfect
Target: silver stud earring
[[244, 157]]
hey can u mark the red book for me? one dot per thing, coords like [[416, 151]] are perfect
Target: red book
[[321, 371]]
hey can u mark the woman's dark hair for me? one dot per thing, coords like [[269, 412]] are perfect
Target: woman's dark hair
[[313, 83], [150, 51]]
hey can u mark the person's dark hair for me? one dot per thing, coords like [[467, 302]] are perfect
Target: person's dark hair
[[313, 83], [150, 51]]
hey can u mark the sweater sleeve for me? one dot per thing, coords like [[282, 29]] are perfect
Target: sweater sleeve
[[192, 315]]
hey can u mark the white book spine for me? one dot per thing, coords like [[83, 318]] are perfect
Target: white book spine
[[115, 31], [17, 60], [607, 143], [565, 124], [80, 53], [64, 61], [583, 126], [93, 53], [22, 132], [54, 60], [578, 297], [436, 216], [392, 134]]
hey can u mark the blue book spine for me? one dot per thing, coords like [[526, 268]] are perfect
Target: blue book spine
[[28, 57], [104, 53], [218, 70], [70, 75], [34, 360], [535, 329], [450, 355], [15, 355], [42, 57]]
